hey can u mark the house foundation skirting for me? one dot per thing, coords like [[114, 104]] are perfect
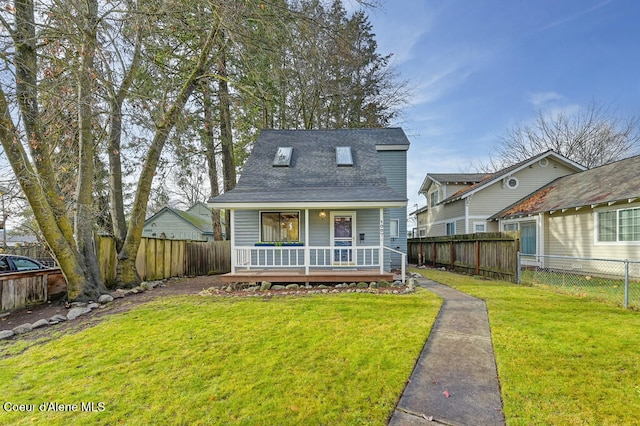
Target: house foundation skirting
[[298, 276]]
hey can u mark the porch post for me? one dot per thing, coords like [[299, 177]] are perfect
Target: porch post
[[232, 239], [381, 241], [307, 250]]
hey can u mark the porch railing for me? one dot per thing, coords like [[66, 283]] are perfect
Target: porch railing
[[370, 257]]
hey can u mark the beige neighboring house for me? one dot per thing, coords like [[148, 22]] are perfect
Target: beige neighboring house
[[464, 203], [174, 224], [592, 214]]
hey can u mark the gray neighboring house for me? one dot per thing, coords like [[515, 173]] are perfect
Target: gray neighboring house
[[464, 203], [316, 203], [594, 214], [174, 224]]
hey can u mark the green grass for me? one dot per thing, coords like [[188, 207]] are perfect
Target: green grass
[[561, 360], [338, 359], [601, 288]]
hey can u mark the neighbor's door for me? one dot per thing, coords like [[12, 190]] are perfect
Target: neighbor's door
[[342, 236]]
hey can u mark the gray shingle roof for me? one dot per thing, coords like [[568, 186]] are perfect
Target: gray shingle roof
[[313, 175], [468, 178], [488, 179], [605, 184]]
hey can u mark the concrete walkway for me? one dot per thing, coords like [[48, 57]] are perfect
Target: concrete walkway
[[455, 381]]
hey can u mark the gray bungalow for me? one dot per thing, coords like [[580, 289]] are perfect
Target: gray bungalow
[[320, 205]]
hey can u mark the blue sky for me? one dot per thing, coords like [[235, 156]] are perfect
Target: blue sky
[[481, 67]]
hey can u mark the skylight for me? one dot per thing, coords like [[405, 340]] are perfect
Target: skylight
[[283, 156], [343, 156]]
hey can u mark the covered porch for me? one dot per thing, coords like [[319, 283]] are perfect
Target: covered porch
[[353, 253]]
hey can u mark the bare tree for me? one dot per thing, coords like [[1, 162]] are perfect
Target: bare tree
[[593, 136]]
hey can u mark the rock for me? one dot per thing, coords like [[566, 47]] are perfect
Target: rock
[[411, 284], [397, 283], [266, 285], [93, 305], [292, 286], [253, 288], [24, 328], [362, 284], [5, 334], [322, 286], [277, 287], [57, 318], [78, 304], [118, 294], [76, 312], [40, 323], [146, 286], [105, 298]]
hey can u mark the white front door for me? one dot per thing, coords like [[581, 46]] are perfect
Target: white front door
[[343, 230]]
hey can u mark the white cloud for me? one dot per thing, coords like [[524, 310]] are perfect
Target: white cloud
[[541, 99]]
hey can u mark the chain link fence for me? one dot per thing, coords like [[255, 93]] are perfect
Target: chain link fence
[[611, 280]]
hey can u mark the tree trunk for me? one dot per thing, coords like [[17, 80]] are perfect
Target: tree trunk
[[116, 196], [226, 137], [210, 148], [84, 218], [126, 273]]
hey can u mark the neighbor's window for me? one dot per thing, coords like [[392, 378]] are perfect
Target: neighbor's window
[[433, 199], [619, 225], [510, 226], [451, 228], [479, 227], [279, 226]]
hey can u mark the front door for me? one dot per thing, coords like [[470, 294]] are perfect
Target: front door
[[342, 234]]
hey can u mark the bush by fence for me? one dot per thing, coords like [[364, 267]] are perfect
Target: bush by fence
[[488, 254], [612, 280]]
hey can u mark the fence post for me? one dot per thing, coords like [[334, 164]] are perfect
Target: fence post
[[518, 268], [626, 284]]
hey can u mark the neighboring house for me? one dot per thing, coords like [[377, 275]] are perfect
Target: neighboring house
[[595, 214], [317, 205], [462, 203], [173, 224]]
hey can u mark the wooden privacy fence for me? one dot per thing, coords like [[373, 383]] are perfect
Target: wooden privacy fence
[[161, 258], [488, 254]]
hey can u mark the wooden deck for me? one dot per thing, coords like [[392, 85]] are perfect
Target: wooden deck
[[316, 276]]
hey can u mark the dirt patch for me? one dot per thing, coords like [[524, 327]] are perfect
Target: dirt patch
[[181, 286]]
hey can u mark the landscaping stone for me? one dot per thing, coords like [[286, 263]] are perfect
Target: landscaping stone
[[118, 294], [292, 286], [24, 328], [277, 287], [397, 283], [40, 323], [5, 334], [78, 304], [266, 285], [93, 305], [105, 298], [57, 318], [76, 312]]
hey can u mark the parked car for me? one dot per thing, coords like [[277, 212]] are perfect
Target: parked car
[[15, 263]]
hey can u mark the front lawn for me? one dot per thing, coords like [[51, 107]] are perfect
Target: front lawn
[[336, 359], [561, 360]]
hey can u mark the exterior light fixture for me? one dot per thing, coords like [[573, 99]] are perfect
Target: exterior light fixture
[[322, 215]]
